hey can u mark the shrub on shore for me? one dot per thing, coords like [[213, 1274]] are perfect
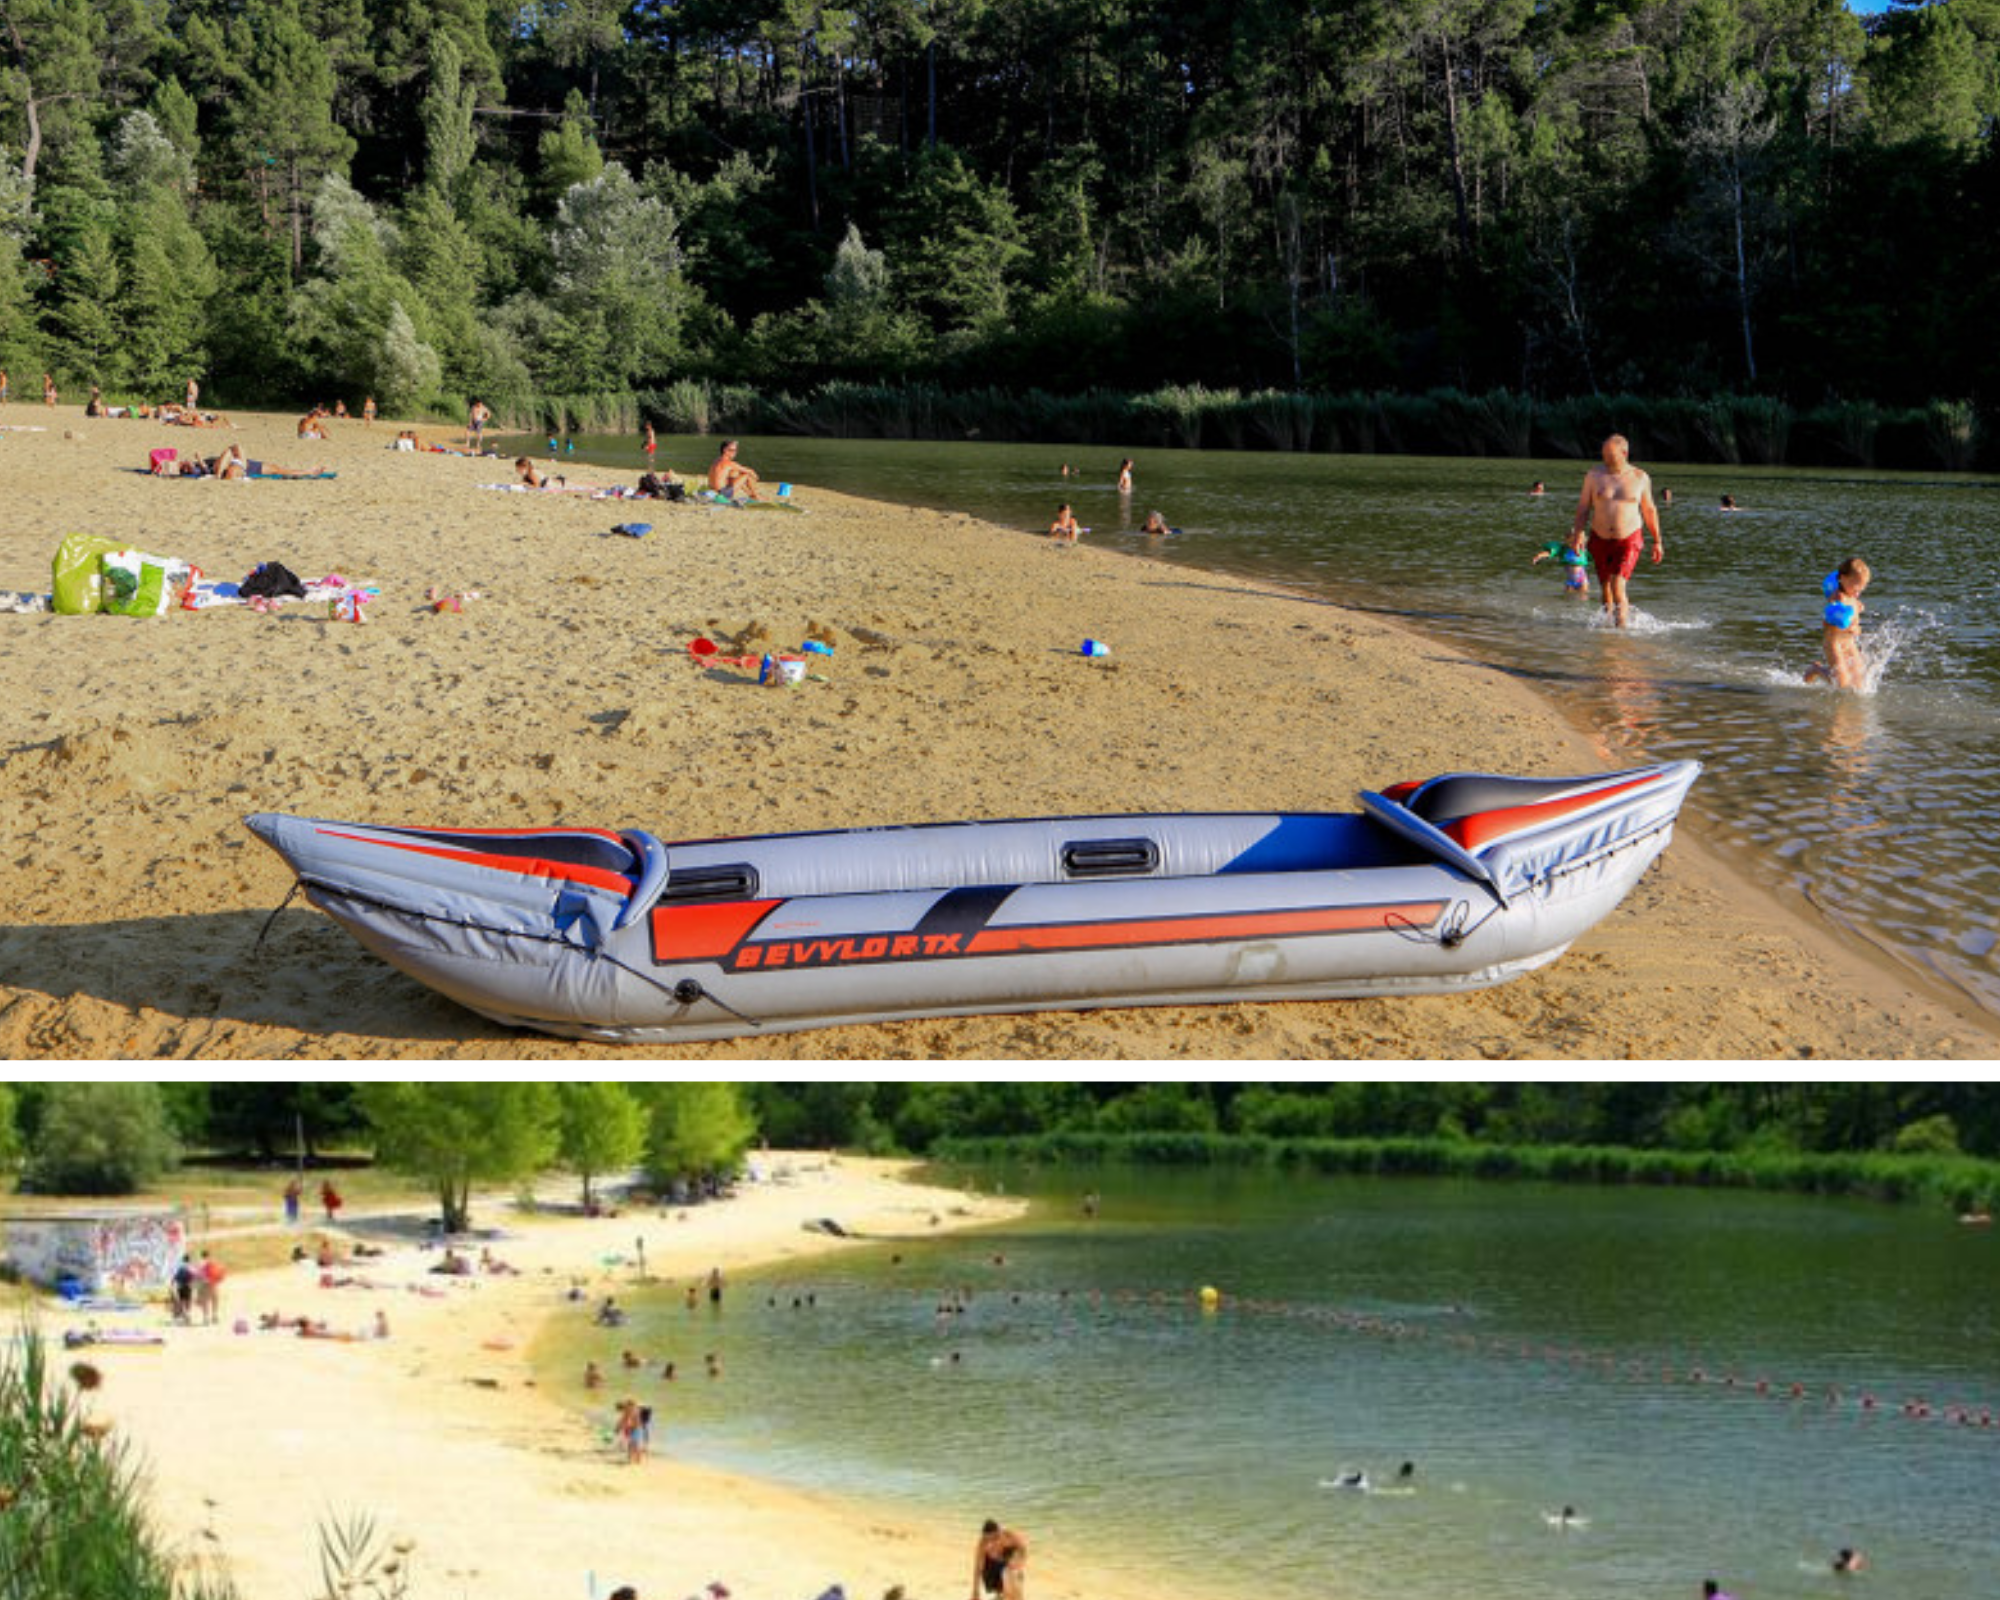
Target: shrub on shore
[[1964, 1183], [1750, 430]]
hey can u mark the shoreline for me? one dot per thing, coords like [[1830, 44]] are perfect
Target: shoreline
[[250, 1441], [1865, 960], [565, 696]]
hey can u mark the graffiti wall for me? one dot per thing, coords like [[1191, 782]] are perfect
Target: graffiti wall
[[107, 1254]]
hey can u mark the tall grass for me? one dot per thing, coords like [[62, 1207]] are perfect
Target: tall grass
[[75, 1526], [1962, 1182], [1753, 430]]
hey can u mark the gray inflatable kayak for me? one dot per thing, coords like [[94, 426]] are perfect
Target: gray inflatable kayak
[[1460, 882]]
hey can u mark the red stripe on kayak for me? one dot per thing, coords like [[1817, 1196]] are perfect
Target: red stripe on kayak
[[518, 833], [704, 933], [527, 866], [1399, 792], [1200, 929], [1483, 827]]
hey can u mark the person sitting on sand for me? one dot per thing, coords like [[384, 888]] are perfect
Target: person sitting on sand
[[453, 1265], [381, 1329], [592, 1377], [310, 425], [94, 406], [490, 1263], [1840, 632], [1064, 529], [726, 475], [999, 1563]]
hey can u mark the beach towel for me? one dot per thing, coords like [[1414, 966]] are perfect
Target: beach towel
[[25, 600], [288, 477], [78, 580]]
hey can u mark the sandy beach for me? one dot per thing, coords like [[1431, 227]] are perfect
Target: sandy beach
[[440, 1435], [131, 749]]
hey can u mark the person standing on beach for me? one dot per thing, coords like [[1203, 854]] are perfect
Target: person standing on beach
[[294, 1193], [715, 1287], [48, 389], [209, 1288], [3, 386], [330, 1202], [651, 444], [999, 1563], [475, 425], [193, 394], [1616, 510], [368, 412]]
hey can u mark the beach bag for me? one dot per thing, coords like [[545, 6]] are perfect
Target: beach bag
[[78, 580], [162, 457], [137, 584]]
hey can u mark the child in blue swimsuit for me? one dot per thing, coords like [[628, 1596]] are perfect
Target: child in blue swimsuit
[[1576, 566], [1840, 631]]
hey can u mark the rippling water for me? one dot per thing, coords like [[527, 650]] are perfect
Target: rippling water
[[1197, 1446], [1883, 809]]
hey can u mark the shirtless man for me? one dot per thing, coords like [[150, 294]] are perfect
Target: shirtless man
[[475, 425], [999, 1563], [725, 476], [1616, 508]]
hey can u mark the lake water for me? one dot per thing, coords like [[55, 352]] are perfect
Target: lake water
[[1438, 1323], [1881, 809]]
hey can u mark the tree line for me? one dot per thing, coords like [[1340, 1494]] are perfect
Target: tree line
[[1554, 198], [103, 1138]]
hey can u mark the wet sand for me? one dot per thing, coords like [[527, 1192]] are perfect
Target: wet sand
[[131, 749]]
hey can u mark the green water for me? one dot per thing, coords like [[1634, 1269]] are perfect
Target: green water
[[1388, 1321], [1880, 810]]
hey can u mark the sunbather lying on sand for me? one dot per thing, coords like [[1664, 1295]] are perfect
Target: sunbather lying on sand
[[233, 463]]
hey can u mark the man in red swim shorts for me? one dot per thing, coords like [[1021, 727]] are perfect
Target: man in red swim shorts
[[1617, 509]]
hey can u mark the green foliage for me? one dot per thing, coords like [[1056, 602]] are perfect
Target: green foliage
[[76, 1525], [695, 1128], [603, 1130], [1935, 1135], [10, 1130], [100, 1138], [453, 1135], [1391, 227], [269, 1119]]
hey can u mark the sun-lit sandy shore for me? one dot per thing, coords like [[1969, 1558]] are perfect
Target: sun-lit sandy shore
[[439, 1434], [130, 751]]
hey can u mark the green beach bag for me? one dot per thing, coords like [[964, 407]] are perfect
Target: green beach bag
[[79, 580], [136, 584]]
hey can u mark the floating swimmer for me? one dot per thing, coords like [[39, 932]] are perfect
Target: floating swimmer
[[1353, 1482], [1576, 565], [1565, 1519], [1841, 630]]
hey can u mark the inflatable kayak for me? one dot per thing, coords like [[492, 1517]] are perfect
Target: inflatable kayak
[[1460, 882]]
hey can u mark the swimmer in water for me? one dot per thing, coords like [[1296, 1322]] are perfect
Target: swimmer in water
[[1357, 1482], [1064, 529], [1841, 634], [1847, 1559], [1156, 525], [1125, 476], [1540, 488], [1711, 1590], [1729, 503]]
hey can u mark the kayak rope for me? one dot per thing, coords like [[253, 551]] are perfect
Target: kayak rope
[[687, 991], [1452, 931], [297, 884]]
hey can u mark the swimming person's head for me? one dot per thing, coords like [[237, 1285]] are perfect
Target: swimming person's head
[[1729, 502], [1407, 1470]]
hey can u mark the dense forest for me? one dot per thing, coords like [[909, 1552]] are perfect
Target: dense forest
[[1555, 198], [263, 1119]]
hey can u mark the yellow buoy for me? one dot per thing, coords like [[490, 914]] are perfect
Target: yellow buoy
[[1211, 1297]]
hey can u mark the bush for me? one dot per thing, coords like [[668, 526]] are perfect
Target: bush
[[1927, 1136], [75, 1526], [101, 1138]]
